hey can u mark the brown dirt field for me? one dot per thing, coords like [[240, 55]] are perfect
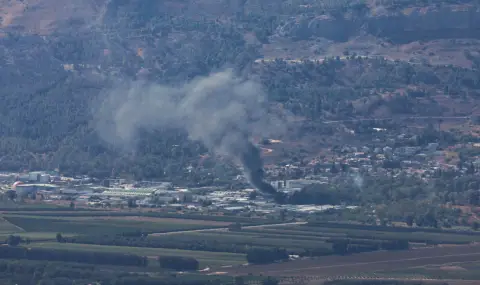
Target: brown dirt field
[[365, 262], [158, 220]]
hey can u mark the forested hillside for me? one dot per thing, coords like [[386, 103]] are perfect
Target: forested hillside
[[51, 80]]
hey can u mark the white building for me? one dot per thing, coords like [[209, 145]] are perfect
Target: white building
[[133, 192], [294, 184], [183, 195]]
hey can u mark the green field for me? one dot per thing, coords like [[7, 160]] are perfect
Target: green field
[[106, 225], [468, 271], [206, 259], [7, 227], [292, 243], [66, 212], [110, 232], [416, 235]]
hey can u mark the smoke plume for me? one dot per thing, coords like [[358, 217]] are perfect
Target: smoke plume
[[357, 180], [222, 111]]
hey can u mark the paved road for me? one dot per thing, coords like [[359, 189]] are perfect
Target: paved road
[[226, 229]]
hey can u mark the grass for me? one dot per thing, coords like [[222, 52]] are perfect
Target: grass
[[206, 259], [417, 236], [294, 243], [34, 236], [6, 227], [467, 271], [41, 230], [105, 225], [64, 212]]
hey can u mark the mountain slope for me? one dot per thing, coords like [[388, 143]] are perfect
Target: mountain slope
[[57, 56]]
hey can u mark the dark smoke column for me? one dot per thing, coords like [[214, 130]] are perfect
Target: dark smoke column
[[253, 164], [248, 154]]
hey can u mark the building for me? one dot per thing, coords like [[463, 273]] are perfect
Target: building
[[184, 196], [25, 189], [130, 193], [294, 184]]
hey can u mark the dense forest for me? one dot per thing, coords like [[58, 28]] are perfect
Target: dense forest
[[47, 109]]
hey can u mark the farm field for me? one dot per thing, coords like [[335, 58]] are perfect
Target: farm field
[[412, 281], [338, 230], [365, 263], [33, 236], [311, 240], [454, 270], [102, 232], [206, 259], [106, 225], [66, 213], [6, 227], [242, 239]]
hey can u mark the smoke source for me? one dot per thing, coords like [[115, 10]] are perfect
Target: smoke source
[[221, 110]]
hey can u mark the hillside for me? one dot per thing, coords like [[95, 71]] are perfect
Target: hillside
[[318, 61]]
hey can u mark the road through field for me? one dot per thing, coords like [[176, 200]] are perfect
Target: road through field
[[363, 263], [226, 229]]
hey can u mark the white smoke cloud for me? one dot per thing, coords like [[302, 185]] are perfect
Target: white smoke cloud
[[357, 180], [222, 111]]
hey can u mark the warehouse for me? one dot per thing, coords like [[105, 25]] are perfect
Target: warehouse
[[134, 192], [25, 189]]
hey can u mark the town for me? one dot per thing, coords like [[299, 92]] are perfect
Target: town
[[389, 155]]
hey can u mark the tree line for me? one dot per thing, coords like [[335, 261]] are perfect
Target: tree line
[[111, 258], [26, 272]]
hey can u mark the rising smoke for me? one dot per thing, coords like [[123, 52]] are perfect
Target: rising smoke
[[222, 111]]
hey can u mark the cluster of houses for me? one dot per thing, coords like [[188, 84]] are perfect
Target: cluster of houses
[[43, 187], [376, 158]]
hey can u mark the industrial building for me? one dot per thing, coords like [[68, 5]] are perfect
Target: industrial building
[[294, 185], [133, 192], [25, 189], [36, 176]]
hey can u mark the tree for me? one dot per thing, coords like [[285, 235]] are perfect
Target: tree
[[59, 237], [131, 203], [235, 227], [13, 240], [72, 205], [178, 262], [264, 256], [283, 214], [270, 281], [475, 226], [409, 219], [239, 280], [334, 168], [474, 198], [11, 195], [340, 247]]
